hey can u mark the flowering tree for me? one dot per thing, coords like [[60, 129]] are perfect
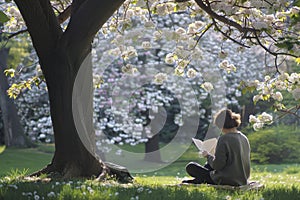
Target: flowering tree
[[271, 25], [61, 52]]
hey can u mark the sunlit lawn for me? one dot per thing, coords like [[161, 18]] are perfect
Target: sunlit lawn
[[25, 159], [280, 181]]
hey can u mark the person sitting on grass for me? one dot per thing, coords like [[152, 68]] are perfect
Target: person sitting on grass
[[231, 163]]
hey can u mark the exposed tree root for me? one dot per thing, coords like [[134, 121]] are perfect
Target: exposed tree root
[[119, 172], [106, 171], [46, 170]]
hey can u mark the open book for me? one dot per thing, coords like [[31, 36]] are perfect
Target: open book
[[206, 145]]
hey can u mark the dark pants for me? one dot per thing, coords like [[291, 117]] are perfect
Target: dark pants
[[199, 172]]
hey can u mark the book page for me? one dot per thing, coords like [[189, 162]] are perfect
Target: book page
[[206, 145]]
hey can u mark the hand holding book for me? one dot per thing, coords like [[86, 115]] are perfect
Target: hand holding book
[[207, 145], [204, 154]]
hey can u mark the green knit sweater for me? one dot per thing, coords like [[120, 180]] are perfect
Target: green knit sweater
[[231, 162]]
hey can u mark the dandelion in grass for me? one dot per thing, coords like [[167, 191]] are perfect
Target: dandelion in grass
[[141, 189], [36, 197], [51, 194], [228, 197]]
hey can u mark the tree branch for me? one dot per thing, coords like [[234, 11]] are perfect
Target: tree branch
[[41, 23], [226, 35], [202, 34], [62, 17], [245, 30], [272, 52], [290, 111], [223, 19], [85, 23], [50, 17], [16, 33]]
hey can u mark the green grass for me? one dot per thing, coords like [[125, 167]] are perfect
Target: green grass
[[280, 181], [2, 148], [31, 159]]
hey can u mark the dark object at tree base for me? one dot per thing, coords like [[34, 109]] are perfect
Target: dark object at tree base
[[110, 170], [121, 173]]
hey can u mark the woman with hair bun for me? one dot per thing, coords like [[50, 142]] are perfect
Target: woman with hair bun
[[231, 163]]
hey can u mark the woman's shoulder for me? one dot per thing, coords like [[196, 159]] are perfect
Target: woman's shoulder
[[229, 136]]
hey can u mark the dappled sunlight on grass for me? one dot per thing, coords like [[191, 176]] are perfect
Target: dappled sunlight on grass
[[280, 182], [2, 148], [30, 159], [144, 187]]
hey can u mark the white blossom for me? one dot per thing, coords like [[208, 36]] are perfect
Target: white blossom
[[160, 78], [161, 9], [280, 85], [157, 35], [181, 31], [191, 73], [192, 29], [170, 59], [207, 86], [294, 78], [146, 45], [257, 126], [278, 96], [295, 10], [129, 53], [265, 118], [129, 69], [253, 119]]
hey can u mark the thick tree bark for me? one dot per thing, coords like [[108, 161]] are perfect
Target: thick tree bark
[[13, 131], [247, 110], [71, 157], [152, 152], [61, 54]]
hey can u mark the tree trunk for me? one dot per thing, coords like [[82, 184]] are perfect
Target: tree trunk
[[71, 158], [74, 154], [61, 53], [247, 110], [152, 152], [157, 124], [13, 131]]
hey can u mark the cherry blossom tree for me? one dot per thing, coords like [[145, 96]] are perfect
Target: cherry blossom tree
[[62, 46]]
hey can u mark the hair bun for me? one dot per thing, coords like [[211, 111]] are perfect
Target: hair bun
[[227, 119]]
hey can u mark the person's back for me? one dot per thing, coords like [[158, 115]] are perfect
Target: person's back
[[231, 163], [234, 168]]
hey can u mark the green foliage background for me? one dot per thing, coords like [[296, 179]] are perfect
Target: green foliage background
[[278, 144]]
